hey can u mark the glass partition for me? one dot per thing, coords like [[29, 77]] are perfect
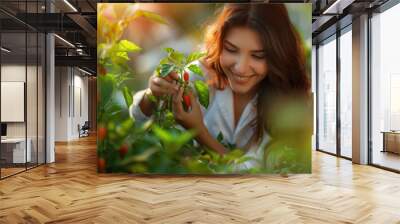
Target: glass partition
[[346, 93], [15, 151], [385, 89], [22, 89], [327, 95]]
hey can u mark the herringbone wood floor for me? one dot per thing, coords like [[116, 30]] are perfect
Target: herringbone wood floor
[[71, 191]]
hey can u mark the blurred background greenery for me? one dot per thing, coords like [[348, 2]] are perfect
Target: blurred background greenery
[[187, 24]]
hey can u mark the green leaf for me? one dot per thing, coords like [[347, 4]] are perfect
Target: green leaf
[[138, 168], [152, 98], [194, 56], [106, 84], [169, 119], [128, 46], [122, 55], [128, 96], [145, 155], [152, 16], [173, 139], [202, 92], [185, 137], [169, 50], [175, 57], [146, 125], [127, 124], [164, 61], [165, 69], [220, 137], [164, 135], [102, 50], [237, 153], [244, 159], [196, 69]]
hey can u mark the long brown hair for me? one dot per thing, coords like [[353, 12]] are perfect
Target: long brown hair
[[285, 57]]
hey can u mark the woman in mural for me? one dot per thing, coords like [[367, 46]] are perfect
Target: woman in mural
[[254, 57]]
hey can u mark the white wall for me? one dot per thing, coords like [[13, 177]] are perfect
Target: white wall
[[80, 115], [62, 81], [16, 73], [33, 127], [71, 93], [12, 73]]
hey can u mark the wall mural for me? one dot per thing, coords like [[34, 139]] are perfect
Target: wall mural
[[204, 88]]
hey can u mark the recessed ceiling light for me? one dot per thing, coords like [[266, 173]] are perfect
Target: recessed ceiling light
[[5, 50], [70, 5], [86, 72], [64, 40]]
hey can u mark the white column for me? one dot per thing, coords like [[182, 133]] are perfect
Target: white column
[[50, 93], [360, 90]]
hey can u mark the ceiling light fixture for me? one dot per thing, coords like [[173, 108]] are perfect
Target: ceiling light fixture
[[329, 9], [70, 5], [5, 50], [337, 7], [84, 71], [64, 40]]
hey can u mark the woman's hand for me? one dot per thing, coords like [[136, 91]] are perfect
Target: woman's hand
[[160, 86], [193, 117]]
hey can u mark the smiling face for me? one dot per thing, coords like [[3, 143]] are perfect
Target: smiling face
[[243, 60]]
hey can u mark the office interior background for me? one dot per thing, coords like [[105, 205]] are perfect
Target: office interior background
[[41, 70], [356, 84], [48, 82], [48, 76]]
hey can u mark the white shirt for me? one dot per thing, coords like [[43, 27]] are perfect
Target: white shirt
[[219, 117]]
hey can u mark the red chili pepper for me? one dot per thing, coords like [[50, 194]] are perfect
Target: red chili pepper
[[101, 134], [186, 76], [101, 165], [186, 99], [102, 70], [123, 150]]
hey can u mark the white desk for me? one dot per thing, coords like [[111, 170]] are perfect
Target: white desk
[[18, 149]]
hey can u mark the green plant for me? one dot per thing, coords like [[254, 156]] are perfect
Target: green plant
[[179, 63]]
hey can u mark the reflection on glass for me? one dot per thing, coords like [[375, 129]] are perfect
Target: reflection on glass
[[386, 88], [345, 94], [41, 98], [31, 100], [327, 96], [22, 89], [14, 151]]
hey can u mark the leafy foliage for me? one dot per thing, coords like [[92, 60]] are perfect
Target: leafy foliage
[[179, 63]]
